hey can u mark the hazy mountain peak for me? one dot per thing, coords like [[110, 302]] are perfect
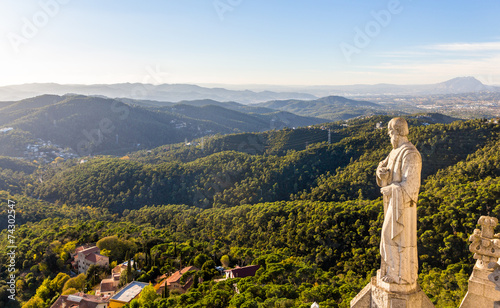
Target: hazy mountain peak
[[463, 84]]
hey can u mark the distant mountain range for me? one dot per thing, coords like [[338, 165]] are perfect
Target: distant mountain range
[[241, 94], [453, 86], [101, 125], [333, 108], [138, 91], [200, 103]]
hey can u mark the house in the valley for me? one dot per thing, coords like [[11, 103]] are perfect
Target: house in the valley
[[82, 300], [241, 272], [110, 285], [127, 294], [85, 257], [173, 282], [121, 267]]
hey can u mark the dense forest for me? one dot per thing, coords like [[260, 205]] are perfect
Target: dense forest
[[308, 211]]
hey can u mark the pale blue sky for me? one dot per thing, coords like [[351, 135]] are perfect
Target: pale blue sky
[[252, 42]]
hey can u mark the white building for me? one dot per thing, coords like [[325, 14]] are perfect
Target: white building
[[90, 256]]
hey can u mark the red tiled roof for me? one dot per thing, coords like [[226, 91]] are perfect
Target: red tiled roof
[[176, 277], [80, 248], [95, 257], [161, 277], [90, 250]]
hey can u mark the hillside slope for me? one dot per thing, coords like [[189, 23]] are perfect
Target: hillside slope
[[332, 107], [229, 174], [96, 125], [308, 249]]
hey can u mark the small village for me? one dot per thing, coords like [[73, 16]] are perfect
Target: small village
[[116, 291], [45, 152]]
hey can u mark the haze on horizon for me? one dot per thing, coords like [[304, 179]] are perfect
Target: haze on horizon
[[248, 42]]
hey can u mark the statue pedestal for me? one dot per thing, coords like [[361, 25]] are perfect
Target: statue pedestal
[[481, 292], [379, 294]]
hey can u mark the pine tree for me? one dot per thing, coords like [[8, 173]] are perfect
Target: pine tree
[[129, 270], [166, 292], [195, 281]]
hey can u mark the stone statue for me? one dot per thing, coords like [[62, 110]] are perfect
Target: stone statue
[[399, 178]]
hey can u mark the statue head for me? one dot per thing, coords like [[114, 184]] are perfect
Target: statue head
[[398, 130], [400, 126]]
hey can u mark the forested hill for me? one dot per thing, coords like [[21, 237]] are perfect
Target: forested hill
[[334, 108], [253, 168], [310, 216], [96, 125]]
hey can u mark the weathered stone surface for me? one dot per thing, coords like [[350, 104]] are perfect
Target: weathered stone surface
[[374, 295], [364, 297], [495, 276], [485, 245], [483, 283], [394, 287], [399, 178]]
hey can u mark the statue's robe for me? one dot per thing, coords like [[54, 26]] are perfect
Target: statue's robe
[[398, 243]]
